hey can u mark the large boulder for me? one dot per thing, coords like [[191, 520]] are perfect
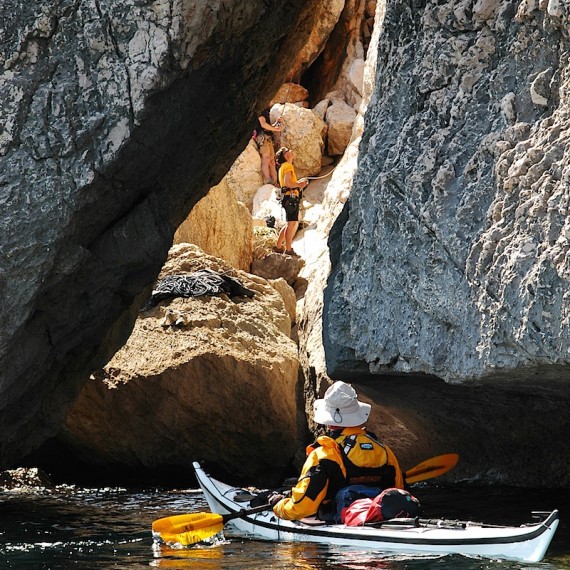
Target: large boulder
[[244, 177], [221, 226], [211, 378], [266, 204], [340, 119], [290, 93], [278, 265], [304, 132]]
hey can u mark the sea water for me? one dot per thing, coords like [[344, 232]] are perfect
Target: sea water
[[70, 527]]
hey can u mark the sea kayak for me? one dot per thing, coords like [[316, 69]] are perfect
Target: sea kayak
[[526, 543]]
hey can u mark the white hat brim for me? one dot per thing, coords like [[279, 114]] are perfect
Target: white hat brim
[[324, 415]]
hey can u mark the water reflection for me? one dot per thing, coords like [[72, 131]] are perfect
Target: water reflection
[[307, 556], [361, 559], [206, 556]]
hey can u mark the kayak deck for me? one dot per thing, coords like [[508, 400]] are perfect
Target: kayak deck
[[527, 543]]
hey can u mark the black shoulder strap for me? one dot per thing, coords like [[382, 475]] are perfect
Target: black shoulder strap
[[347, 444]]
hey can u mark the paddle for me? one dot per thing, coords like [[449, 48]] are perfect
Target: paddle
[[195, 527], [430, 468]]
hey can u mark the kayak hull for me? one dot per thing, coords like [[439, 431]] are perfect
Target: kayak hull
[[527, 543]]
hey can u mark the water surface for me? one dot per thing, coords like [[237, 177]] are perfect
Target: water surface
[[110, 528]]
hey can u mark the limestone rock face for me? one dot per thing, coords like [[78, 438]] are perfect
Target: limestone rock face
[[304, 132], [221, 226], [345, 38], [278, 265], [266, 203], [340, 119], [244, 177], [116, 119], [208, 378], [328, 16], [453, 253], [290, 93], [288, 295]]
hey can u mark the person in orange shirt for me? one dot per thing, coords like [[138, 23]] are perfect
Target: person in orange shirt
[[292, 192]]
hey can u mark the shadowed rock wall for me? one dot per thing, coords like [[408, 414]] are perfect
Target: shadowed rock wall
[[116, 119], [454, 255]]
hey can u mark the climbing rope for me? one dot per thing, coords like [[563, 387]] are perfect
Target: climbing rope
[[323, 176], [196, 284]]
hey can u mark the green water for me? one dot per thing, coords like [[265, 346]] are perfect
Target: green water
[[110, 528]]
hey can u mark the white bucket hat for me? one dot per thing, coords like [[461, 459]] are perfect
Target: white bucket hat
[[340, 407]]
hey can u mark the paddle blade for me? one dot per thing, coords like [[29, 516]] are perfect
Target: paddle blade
[[187, 538], [189, 528], [430, 468]]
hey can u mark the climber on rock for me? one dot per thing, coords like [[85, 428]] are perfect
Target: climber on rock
[[292, 192]]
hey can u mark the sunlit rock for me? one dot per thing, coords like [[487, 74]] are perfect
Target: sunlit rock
[[304, 132], [290, 93], [288, 295], [278, 265], [221, 226], [207, 377], [23, 479], [244, 177], [340, 119], [266, 204]]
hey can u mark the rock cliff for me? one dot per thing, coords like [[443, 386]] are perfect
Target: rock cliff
[[445, 284], [449, 244], [453, 254], [116, 119]]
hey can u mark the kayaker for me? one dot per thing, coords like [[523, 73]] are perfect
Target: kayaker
[[347, 456]]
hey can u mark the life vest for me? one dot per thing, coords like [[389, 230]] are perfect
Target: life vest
[[368, 461], [330, 467]]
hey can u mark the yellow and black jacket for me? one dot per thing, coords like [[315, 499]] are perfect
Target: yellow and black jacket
[[353, 457], [323, 474]]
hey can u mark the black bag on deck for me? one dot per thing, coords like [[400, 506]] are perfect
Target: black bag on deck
[[396, 503]]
